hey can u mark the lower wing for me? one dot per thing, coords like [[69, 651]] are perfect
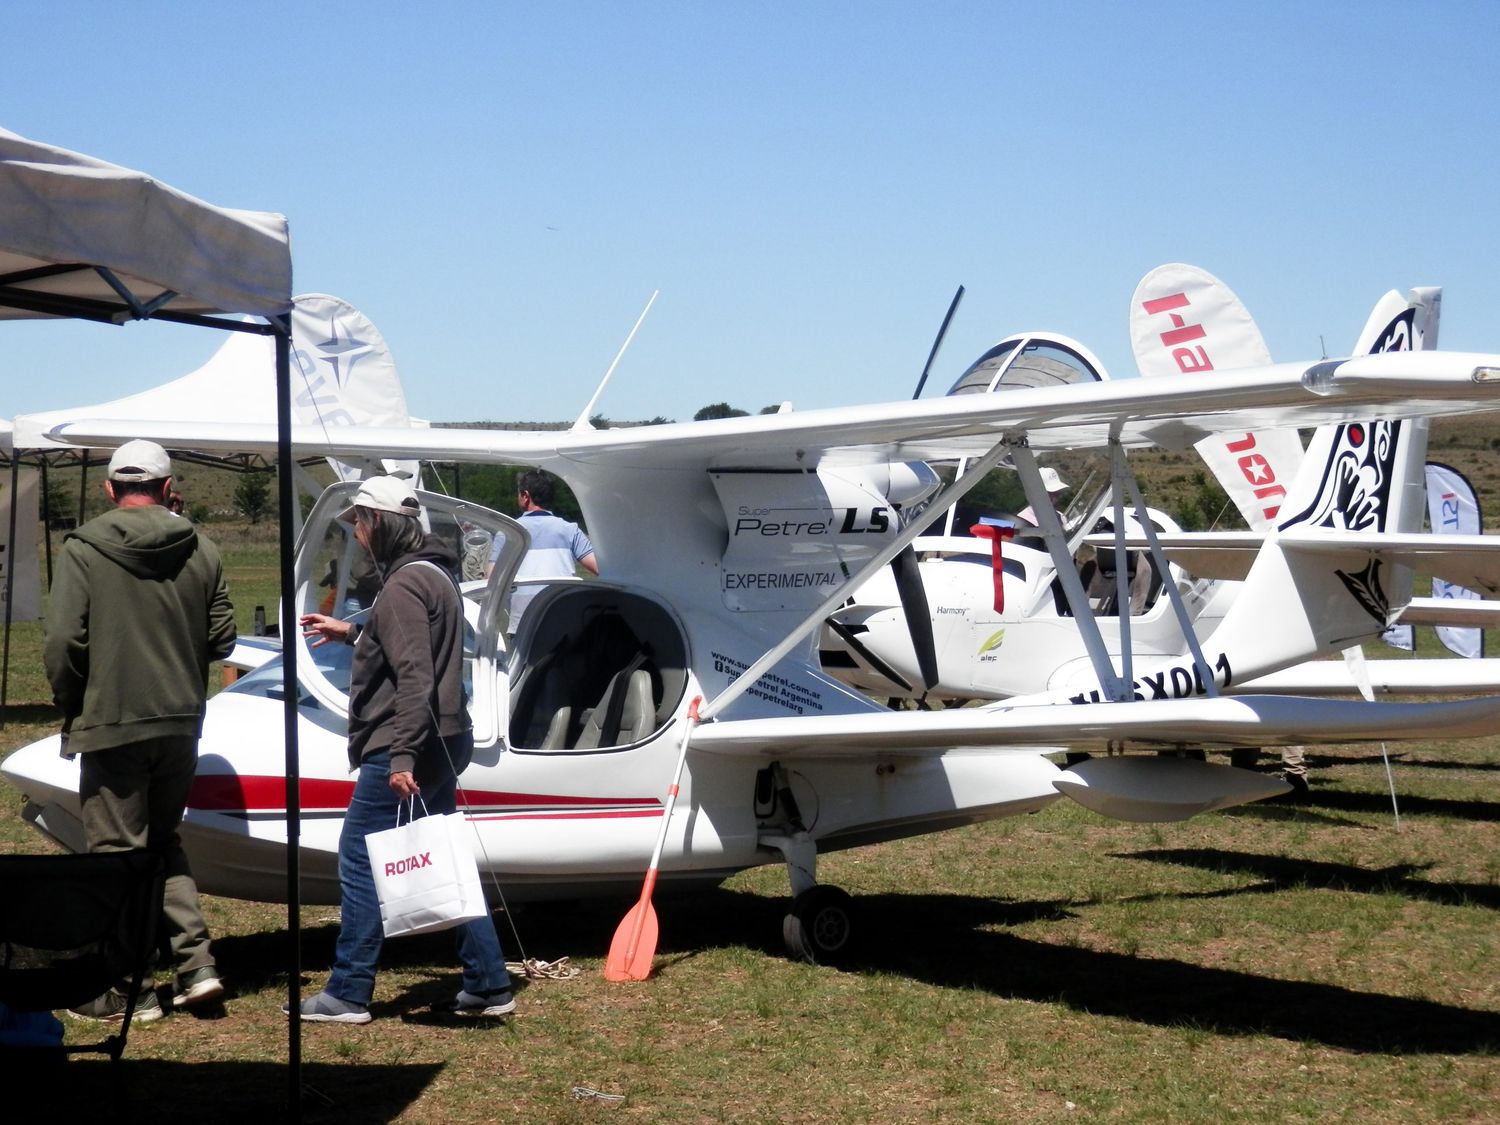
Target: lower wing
[[1267, 720]]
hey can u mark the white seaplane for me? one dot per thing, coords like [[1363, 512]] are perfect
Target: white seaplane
[[726, 544], [995, 623]]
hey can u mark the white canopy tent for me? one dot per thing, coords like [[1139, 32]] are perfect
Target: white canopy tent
[[342, 373], [79, 236], [84, 239]]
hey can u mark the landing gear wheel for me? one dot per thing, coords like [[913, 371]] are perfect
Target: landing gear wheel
[[820, 927]]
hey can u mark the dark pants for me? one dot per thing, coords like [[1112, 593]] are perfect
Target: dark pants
[[133, 796]]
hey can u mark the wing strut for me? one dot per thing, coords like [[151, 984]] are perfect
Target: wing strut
[[1119, 473], [949, 496], [1174, 596], [1067, 573]]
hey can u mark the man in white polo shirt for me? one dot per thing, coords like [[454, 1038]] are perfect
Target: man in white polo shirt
[[558, 546]]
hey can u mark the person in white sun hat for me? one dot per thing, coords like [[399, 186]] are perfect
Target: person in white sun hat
[[409, 733]]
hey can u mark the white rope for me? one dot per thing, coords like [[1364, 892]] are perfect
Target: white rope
[[587, 1094], [534, 969]]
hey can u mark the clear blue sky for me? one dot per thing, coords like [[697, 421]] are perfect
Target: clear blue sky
[[500, 186]]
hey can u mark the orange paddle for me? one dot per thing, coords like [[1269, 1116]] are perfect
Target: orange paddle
[[634, 943]]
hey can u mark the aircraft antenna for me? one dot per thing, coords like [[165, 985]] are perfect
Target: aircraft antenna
[[938, 343], [588, 411]]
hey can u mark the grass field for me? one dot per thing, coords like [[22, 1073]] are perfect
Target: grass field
[[1274, 963]]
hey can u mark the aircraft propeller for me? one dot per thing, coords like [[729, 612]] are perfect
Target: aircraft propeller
[[918, 617], [904, 566]]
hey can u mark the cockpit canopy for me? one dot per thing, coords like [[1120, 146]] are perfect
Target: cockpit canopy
[[1032, 359]]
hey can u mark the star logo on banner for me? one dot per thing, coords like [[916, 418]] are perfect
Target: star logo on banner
[[341, 354], [1257, 471]]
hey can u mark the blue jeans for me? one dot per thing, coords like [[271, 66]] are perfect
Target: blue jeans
[[372, 808]]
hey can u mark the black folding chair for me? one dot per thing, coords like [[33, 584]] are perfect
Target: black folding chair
[[72, 926]]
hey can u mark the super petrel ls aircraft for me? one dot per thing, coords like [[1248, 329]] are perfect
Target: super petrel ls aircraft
[[726, 544]]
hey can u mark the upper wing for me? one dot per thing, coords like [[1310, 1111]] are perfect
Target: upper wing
[[1268, 720], [1171, 413]]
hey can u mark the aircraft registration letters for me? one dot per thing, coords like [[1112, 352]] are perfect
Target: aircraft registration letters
[[1179, 681]]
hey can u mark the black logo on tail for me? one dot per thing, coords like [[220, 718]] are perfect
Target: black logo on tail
[[1356, 488], [1365, 587]]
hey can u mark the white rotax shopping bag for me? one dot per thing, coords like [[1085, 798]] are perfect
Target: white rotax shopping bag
[[425, 875]]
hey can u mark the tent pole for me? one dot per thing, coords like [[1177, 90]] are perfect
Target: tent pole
[[47, 519], [10, 580], [287, 502]]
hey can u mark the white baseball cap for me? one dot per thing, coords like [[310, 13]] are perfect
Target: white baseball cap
[[140, 460], [384, 494], [1052, 481]]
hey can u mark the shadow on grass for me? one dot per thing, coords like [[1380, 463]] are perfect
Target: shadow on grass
[[949, 941], [16, 714], [1398, 760], [139, 1090], [1297, 811], [956, 941], [1281, 873], [258, 962], [1332, 799], [1444, 764]]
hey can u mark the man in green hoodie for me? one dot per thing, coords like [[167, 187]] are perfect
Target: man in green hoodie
[[139, 609]]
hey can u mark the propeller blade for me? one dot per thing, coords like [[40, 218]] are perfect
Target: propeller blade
[[938, 343], [846, 634], [918, 618]]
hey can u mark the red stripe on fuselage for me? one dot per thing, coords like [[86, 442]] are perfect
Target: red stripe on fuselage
[[267, 793], [478, 817], [230, 792]]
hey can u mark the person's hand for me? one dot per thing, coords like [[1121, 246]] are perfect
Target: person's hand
[[325, 628], [404, 785]]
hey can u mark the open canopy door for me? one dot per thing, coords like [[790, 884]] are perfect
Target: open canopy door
[[336, 576]]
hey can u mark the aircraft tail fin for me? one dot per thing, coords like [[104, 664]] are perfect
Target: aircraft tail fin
[[345, 375], [1402, 324], [1309, 595], [1305, 594], [1184, 319]]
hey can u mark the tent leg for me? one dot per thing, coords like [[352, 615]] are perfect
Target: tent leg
[[287, 519], [47, 520], [10, 581]]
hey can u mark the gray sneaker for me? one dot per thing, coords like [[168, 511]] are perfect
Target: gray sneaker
[[110, 1007], [198, 987], [499, 1003], [324, 1008]]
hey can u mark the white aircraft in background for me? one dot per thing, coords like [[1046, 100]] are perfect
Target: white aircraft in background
[[725, 545], [998, 633]]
